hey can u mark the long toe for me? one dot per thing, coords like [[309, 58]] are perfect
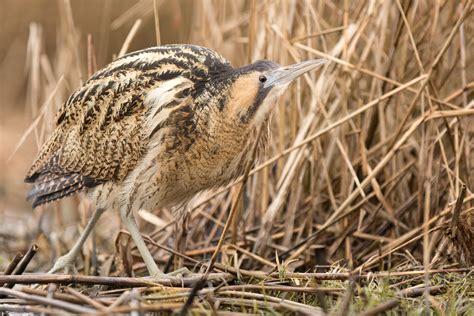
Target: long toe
[[181, 277], [181, 272]]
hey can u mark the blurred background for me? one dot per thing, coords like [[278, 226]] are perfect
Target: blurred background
[[47, 48]]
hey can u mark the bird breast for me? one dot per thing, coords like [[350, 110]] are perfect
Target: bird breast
[[189, 151], [180, 169]]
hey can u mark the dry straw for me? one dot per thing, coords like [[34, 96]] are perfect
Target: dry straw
[[356, 192]]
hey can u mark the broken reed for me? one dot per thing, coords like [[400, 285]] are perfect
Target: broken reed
[[367, 159]]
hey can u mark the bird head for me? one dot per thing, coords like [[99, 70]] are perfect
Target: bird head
[[257, 86]]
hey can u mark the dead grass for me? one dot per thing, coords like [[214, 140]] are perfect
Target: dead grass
[[351, 209]]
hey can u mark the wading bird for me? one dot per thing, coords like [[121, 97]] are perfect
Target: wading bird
[[152, 129]]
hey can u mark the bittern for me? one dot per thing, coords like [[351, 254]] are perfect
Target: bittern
[[154, 128]]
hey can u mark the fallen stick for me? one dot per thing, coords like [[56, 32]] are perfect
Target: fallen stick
[[47, 301], [13, 263], [22, 309], [59, 296], [19, 264], [112, 281], [346, 275]]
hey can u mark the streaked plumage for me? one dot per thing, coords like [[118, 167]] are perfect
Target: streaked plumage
[[157, 126]]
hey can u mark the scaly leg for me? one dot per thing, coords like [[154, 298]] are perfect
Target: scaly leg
[[129, 220], [68, 259]]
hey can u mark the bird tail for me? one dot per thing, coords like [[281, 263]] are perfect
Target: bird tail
[[50, 187]]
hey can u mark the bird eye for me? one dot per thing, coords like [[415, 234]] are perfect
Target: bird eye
[[262, 78]]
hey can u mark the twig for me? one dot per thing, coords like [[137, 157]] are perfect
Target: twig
[[10, 308], [26, 260], [345, 276], [272, 306], [47, 301], [13, 263], [59, 296], [252, 288], [147, 308], [112, 281], [20, 268], [295, 306]]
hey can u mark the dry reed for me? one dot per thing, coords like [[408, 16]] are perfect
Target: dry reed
[[351, 209]]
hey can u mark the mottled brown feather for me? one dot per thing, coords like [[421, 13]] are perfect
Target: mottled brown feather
[[99, 133]]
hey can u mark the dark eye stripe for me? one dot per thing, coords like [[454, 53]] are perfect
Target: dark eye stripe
[[261, 95]]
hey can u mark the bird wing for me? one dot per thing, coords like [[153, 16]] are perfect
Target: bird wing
[[102, 130]]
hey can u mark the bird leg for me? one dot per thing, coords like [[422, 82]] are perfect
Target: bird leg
[[66, 261], [129, 220]]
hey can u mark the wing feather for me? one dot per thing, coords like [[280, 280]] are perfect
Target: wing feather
[[103, 129]]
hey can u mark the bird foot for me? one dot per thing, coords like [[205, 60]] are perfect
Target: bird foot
[[176, 276], [64, 263], [181, 272]]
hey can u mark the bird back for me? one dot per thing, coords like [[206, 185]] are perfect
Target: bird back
[[100, 132]]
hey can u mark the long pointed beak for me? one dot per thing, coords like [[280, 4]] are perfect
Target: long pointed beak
[[284, 75]]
